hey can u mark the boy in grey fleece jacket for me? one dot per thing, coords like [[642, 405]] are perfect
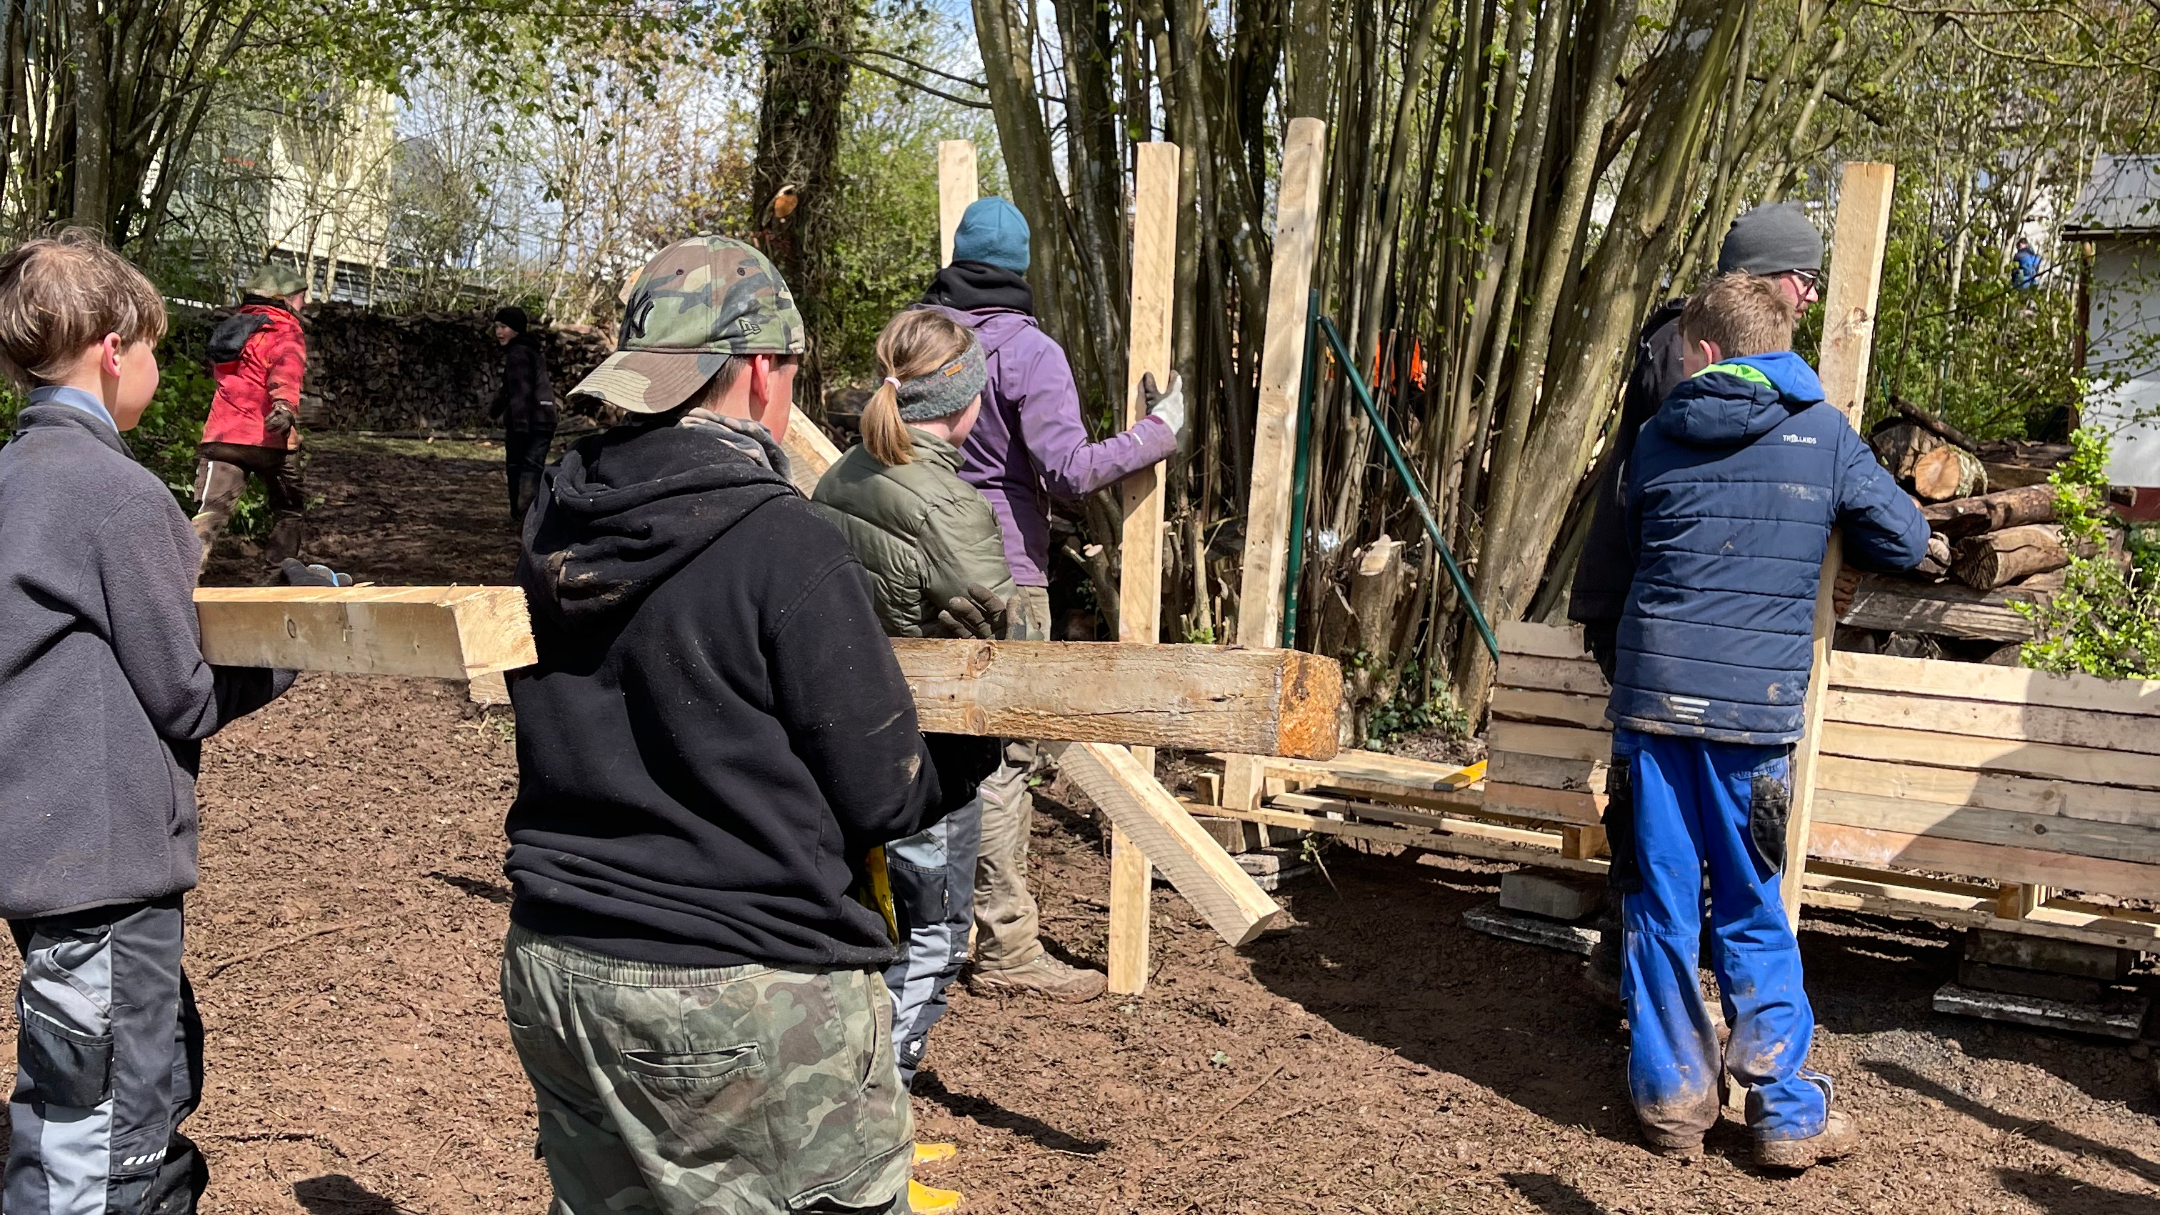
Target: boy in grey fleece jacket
[[104, 702]]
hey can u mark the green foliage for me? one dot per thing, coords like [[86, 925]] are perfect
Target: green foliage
[[1401, 714], [2105, 621]]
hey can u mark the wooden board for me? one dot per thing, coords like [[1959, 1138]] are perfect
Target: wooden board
[[809, 452], [1546, 772], [1553, 708], [1991, 719], [1948, 610], [1579, 675], [1992, 791], [2085, 764], [1934, 853], [438, 632], [1556, 742], [1848, 337], [2038, 832], [956, 190], [1147, 352], [1274, 450], [2003, 685], [1558, 805], [1194, 863], [1542, 640]]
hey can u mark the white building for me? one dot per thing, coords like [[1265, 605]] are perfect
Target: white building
[[2117, 219]]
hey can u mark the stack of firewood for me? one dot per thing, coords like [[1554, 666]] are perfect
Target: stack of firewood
[[1994, 543]]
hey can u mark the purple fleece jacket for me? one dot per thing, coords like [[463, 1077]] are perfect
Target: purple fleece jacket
[[1029, 440]]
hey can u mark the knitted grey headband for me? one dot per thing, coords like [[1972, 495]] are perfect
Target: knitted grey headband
[[947, 390]]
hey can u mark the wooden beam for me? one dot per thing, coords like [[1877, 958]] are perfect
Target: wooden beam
[[1580, 676], [2001, 685], [1936, 854], [957, 188], [2046, 760], [1978, 825], [1863, 227], [1990, 791], [1274, 450], [809, 452], [1147, 352], [1225, 895], [1542, 640], [440, 632], [1990, 719], [1186, 696]]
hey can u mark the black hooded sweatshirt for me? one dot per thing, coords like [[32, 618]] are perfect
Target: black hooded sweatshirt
[[970, 286], [717, 732]]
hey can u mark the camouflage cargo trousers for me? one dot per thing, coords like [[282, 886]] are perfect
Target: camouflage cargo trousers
[[669, 1090]]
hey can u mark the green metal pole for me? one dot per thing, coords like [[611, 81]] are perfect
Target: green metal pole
[[1402, 470], [1299, 470]]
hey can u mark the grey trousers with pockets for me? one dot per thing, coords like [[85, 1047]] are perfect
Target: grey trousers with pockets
[[108, 1064]]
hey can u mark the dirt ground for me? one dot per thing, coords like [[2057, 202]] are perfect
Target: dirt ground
[[1376, 1056]]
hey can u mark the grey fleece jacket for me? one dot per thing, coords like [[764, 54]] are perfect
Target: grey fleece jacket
[[104, 695]]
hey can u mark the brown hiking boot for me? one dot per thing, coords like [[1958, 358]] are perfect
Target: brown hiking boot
[[1045, 976], [1838, 1137]]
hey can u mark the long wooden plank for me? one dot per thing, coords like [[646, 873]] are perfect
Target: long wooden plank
[[2039, 832], [1554, 708], [1546, 772], [2002, 685], [1549, 674], [1459, 844], [1225, 895], [1558, 805], [956, 189], [1848, 336], [1542, 640], [2045, 760], [1992, 719], [441, 632], [1147, 352], [1274, 450], [1192, 697], [1556, 742], [1991, 791], [1877, 847], [1949, 610], [809, 452]]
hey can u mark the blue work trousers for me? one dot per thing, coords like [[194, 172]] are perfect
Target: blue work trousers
[[933, 885], [1698, 804]]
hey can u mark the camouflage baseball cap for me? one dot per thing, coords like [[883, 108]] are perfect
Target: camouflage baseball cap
[[697, 302], [274, 282]]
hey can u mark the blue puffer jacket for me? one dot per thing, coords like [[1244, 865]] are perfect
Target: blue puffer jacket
[[1734, 487]]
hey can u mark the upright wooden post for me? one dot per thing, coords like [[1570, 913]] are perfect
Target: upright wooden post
[[956, 188], [1154, 286], [1274, 451], [1856, 256]]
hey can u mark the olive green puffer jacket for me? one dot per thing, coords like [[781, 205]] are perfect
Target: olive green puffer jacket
[[922, 532]]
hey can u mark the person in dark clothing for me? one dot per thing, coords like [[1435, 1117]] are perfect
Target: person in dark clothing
[[104, 702], [1778, 242], [525, 405], [1733, 491], [712, 747]]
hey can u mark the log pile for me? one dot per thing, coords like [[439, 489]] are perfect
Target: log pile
[[1994, 543], [425, 372]]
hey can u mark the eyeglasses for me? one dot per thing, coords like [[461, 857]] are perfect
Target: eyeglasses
[[1808, 279]]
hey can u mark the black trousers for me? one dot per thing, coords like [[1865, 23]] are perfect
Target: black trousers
[[525, 454], [109, 1063]]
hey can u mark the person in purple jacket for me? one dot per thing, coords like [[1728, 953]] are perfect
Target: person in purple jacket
[[1028, 445]]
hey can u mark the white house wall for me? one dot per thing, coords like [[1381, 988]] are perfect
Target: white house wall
[[2122, 355]]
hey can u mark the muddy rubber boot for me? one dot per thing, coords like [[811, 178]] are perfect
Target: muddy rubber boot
[[934, 1153], [1045, 976], [1677, 1148], [929, 1200], [1839, 1136], [286, 537]]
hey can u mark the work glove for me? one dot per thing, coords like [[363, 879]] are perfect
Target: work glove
[[1169, 406], [980, 615], [280, 420], [299, 573]]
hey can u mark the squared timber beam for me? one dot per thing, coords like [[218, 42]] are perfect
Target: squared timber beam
[[1267, 702]]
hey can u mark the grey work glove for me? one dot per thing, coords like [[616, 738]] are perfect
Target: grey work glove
[[299, 573], [280, 420], [1169, 406], [980, 615]]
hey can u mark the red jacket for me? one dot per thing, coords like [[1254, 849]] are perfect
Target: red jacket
[[265, 374]]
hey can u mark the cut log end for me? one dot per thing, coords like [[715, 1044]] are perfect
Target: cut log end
[[1948, 472], [1999, 558]]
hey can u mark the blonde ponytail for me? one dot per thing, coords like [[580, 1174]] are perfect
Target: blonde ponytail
[[883, 433]]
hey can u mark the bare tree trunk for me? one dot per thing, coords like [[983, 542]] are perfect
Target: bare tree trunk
[[92, 203]]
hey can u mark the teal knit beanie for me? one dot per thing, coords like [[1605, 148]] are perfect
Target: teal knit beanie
[[992, 230]]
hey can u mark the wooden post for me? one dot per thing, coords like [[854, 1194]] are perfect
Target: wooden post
[[1863, 228], [1274, 451], [1154, 287], [956, 188]]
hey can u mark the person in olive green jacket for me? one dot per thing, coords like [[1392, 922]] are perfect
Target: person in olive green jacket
[[937, 568]]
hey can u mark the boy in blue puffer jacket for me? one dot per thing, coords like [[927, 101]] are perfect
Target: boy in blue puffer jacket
[[1735, 485]]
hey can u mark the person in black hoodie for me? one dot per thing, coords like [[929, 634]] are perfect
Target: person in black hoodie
[[525, 404], [714, 742]]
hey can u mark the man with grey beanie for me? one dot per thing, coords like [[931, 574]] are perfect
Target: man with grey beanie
[[1776, 241]]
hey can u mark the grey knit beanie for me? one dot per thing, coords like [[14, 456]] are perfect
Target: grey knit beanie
[[947, 390], [1772, 240]]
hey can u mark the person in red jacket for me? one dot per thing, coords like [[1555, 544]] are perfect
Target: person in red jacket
[[258, 356]]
